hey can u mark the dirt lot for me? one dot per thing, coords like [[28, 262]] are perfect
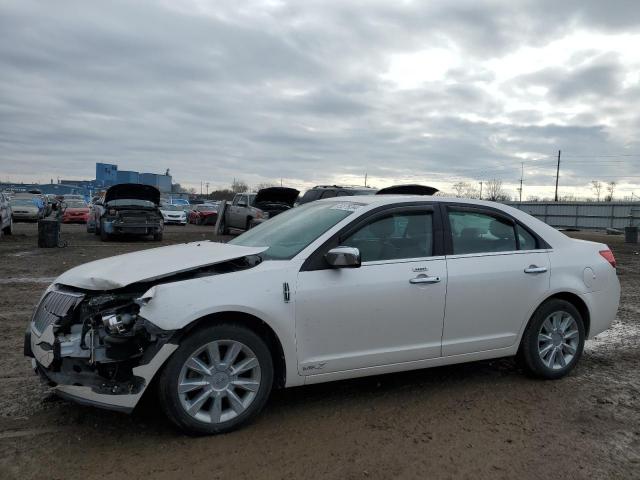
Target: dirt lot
[[480, 420]]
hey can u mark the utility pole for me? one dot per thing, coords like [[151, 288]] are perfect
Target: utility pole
[[557, 176], [521, 179], [207, 188], [365, 179], [280, 181], [200, 187], [480, 190]]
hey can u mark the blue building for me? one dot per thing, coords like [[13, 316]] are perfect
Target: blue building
[[106, 174], [128, 176]]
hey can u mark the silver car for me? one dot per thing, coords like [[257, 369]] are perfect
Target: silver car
[[25, 210], [6, 216]]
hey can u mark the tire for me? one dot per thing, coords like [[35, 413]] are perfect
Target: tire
[[104, 236], [549, 352], [200, 422], [157, 237], [8, 230], [248, 224]]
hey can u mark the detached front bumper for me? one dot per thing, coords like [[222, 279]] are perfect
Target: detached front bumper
[[83, 371], [136, 228]]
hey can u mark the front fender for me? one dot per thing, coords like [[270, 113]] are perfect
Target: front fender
[[257, 291]]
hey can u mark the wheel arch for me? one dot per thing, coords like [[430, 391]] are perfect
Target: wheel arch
[[255, 324], [575, 300]]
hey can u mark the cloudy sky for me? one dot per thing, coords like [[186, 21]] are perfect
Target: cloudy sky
[[324, 91]]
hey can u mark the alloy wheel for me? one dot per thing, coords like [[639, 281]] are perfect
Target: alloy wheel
[[558, 340], [219, 381]]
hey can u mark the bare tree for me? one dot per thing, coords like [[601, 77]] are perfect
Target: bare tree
[[460, 188], [596, 186], [239, 186], [262, 185], [611, 187], [494, 190]]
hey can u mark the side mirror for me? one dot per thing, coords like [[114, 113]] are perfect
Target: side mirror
[[343, 257]]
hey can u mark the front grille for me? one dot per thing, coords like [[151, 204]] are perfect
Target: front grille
[[54, 305]]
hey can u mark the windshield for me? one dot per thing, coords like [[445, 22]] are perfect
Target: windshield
[[179, 201], [172, 208], [76, 204], [131, 203], [23, 202], [289, 233]]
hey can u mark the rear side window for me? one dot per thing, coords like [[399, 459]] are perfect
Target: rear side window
[[476, 232], [394, 237], [527, 241], [328, 194]]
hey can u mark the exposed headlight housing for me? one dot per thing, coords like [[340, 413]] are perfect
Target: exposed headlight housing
[[118, 323]]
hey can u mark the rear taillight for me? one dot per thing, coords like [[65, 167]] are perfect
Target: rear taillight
[[608, 256]]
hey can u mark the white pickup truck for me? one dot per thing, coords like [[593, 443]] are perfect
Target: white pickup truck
[[249, 209]]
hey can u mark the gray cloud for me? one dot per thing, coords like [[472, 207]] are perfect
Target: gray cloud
[[298, 90]]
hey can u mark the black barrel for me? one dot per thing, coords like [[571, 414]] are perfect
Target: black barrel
[[630, 234], [48, 232]]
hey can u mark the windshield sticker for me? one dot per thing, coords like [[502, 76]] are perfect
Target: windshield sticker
[[347, 206]]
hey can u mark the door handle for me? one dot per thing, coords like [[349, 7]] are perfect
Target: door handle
[[424, 279], [535, 269]]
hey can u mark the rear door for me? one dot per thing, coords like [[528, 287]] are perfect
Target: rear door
[[498, 272], [232, 212]]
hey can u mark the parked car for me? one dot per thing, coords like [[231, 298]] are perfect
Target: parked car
[[173, 214], [96, 209], [75, 211], [249, 209], [335, 289], [26, 208], [6, 215], [329, 191], [204, 214], [128, 208], [408, 189]]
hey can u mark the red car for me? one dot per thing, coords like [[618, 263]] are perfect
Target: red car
[[75, 211], [203, 214]]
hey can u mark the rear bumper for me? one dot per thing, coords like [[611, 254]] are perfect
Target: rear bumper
[[603, 307]]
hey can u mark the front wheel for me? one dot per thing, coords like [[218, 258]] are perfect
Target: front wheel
[[217, 380], [553, 341]]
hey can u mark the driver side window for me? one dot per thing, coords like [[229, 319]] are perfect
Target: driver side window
[[393, 237]]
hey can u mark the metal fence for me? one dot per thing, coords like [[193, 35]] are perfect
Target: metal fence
[[584, 215]]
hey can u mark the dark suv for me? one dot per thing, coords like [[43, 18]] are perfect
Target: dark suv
[[328, 191]]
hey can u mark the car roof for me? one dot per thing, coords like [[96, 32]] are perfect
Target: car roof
[[550, 234]]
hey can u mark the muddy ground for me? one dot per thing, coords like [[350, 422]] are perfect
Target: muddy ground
[[480, 420]]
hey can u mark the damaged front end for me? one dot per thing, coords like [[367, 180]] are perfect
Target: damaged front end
[[95, 348]]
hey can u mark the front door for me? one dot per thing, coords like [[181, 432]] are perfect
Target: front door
[[389, 310]]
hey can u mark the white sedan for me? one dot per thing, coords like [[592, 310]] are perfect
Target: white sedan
[[337, 288], [173, 214]]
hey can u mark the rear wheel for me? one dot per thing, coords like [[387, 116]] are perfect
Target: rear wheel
[[104, 236], [553, 341], [217, 380], [157, 236], [8, 230]]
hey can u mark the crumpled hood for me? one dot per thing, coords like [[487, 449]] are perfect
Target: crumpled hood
[[147, 265]]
